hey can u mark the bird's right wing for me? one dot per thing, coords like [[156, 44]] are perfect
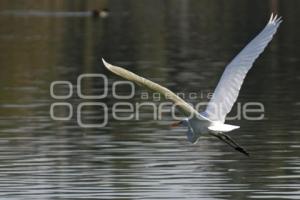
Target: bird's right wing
[[186, 108], [232, 79]]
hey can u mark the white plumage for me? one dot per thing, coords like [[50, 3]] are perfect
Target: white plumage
[[231, 81], [212, 120]]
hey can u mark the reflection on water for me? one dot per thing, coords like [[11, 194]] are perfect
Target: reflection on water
[[46, 14], [170, 42]]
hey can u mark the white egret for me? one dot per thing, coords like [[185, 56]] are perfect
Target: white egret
[[211, 121]]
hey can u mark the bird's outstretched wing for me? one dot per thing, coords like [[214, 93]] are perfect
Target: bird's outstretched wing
[[186, 108], [231, 81]]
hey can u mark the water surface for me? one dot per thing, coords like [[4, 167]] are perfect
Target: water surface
[[181, 44]]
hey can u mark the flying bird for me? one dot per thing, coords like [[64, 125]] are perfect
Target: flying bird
[[211, 121]]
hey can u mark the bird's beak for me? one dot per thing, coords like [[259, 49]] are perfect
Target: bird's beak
[[175, 124]]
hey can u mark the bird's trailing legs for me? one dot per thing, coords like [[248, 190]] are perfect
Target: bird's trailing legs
[[225, 138]]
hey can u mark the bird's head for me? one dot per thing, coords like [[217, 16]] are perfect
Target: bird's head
[[185, 123]]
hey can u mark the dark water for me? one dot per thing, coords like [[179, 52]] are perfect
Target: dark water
[[181, 44]]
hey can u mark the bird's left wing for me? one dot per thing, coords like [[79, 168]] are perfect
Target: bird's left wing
[[186, 108], [231, 81]]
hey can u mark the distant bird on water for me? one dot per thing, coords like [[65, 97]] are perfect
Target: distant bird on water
[[211, 121], [100, 13]]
